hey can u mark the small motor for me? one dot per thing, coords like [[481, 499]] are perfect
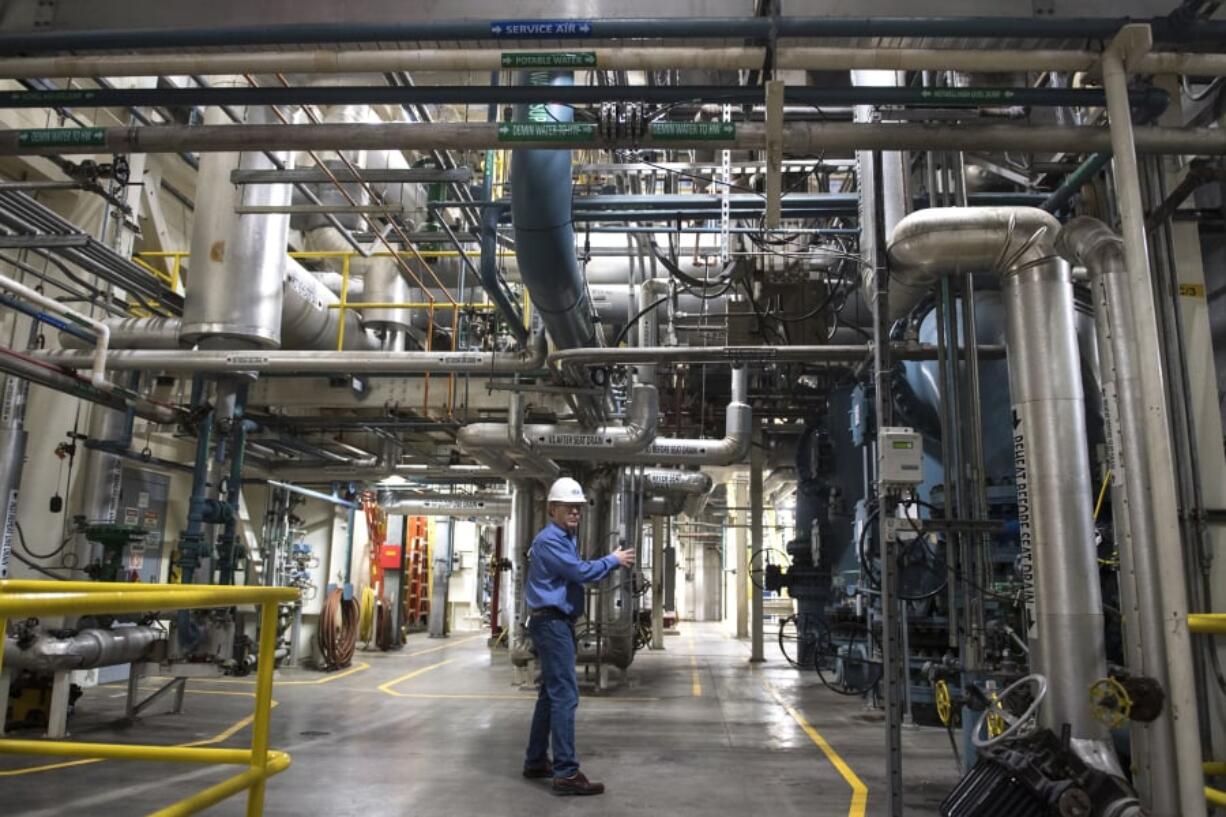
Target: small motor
[[1039, 776]]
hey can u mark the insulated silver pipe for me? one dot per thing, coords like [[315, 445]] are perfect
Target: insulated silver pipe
[[731, 449], [801, 138], [633, 58], [133, 333], [674, 481], [85, 650], [1091, 243], [1051, 453], [443, 505], [311, 362], [13, 437], [1132, 42]]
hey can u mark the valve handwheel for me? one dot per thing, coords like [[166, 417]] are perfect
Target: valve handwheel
[[1015, 725], [1110, 703], [945, 704]]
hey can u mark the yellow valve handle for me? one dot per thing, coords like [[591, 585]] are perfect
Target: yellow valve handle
[[945, 704], [996, 723], [1110, 703]]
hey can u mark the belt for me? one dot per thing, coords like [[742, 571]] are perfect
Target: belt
[[549, 613]]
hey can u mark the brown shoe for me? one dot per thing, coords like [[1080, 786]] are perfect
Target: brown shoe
[[577, 785], [539, 772]]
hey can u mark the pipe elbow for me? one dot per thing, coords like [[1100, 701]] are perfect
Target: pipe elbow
[[643, 417], [1083, 238]]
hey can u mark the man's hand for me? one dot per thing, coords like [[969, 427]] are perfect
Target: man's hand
[[624, 557]]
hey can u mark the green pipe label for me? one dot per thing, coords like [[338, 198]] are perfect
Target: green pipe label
[[62, 137], [692, 131], [546, 132], [968, 94], [549, 59], [52, 97]]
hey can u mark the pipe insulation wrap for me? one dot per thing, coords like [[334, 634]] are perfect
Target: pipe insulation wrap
[[85, 650]]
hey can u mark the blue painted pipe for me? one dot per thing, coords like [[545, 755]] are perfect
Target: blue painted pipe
[[50, 320], [491, 281], [544, 229]]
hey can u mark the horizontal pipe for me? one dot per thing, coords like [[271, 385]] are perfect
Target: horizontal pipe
[[125, 751], [1213, 623], [1165, 29], [672, 481], [296, 489], [810, 58], [498, 505], [242, 96], [102, 332], [87, 649], [309, 362], [44, 374], [808, 138]]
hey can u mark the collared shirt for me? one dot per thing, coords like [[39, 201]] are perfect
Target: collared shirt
[[556, 574]]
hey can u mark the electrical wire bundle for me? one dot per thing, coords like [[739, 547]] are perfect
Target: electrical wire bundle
[[338, 630]]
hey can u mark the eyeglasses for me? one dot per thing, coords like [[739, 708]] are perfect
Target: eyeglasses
[[573, 511]]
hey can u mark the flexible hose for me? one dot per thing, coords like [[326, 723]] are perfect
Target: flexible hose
[[338, 630], [366, 616]]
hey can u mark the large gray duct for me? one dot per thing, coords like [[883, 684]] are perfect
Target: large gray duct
[[233, 296], [544, 235], [85, 650], [1059, 557]]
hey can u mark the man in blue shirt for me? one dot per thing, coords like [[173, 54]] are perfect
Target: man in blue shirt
[[553, 595]]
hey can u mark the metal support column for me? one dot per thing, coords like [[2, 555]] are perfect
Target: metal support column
[[741, 576], [774, 152], [657, 582], [891, 646], [756, 457]]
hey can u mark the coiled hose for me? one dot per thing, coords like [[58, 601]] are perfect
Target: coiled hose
[[366, 621], [338, 630]]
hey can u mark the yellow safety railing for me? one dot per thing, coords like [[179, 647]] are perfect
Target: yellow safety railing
[[1211, 624], [21, 599], [170, 279]]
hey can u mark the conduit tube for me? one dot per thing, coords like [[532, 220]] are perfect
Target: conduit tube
[[1059, 560], [1091, 243], [544, 231]]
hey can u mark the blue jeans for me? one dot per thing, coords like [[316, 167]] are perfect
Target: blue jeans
[[558, 699]]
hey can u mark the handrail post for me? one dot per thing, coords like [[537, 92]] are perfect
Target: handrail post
[[263, 706]]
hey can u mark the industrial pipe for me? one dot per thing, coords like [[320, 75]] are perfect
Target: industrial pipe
[[1091, 243], [800, 138], [1170, 28], [460, 506], [629, 58], [102, 332], [87, 649], [313, 362], [44, 374], [1172, 573], [672, 481], [1051, 452]]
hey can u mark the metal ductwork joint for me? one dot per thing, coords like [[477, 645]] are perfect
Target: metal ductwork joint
[[544, 235]]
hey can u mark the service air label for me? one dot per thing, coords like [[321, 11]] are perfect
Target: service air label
[[539, 29]]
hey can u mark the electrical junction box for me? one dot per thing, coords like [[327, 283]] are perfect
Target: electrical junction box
[[391, 557], [900, 453]]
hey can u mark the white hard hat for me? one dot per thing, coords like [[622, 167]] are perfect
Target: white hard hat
[[566, 490]]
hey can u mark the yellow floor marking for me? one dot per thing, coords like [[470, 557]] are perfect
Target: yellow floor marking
[[696, 682], [327, 679], [408, 676], [859, 792], [220, 737], [443, 646]]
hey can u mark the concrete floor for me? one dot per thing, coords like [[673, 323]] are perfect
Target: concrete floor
[[439, 729]]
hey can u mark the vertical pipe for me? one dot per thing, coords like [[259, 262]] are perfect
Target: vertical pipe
[[1054, 493], [13, 438], [756, 458], [657, 582], [1181, 693], [742, 561]]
